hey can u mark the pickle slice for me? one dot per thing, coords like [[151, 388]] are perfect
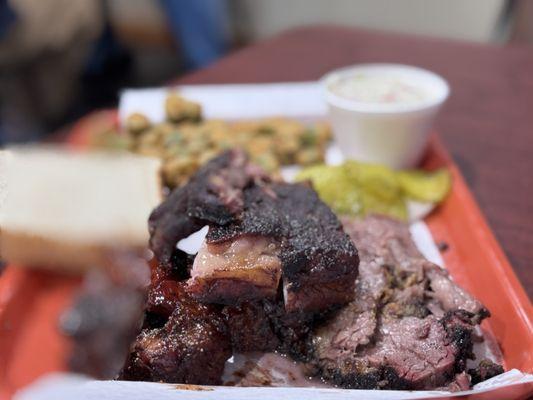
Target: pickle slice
[[334, 187], [430, 187], [359, 189], [377, 179]]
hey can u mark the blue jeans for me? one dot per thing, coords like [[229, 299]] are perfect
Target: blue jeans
[[201, 27]]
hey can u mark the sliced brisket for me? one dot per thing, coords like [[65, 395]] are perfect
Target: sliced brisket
[[388, 243], [403, 353], [409, 327]]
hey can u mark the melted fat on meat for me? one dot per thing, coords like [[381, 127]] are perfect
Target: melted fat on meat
[[248, 265]]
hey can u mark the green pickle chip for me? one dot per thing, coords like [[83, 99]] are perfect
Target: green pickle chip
[[355, 188], [334, 187], [429, 187], [376, 179]]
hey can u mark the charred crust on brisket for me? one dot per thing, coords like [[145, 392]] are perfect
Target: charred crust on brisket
[[397, 333], [459, 327]]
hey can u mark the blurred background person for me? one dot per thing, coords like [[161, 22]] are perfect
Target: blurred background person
[[44, 46], [60, 59]]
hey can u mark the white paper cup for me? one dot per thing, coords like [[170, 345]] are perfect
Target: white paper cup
[[394, 134]]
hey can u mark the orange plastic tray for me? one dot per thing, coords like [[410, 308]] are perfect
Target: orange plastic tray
[[32, 301]]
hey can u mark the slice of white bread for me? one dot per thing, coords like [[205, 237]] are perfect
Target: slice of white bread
[[69, 210]]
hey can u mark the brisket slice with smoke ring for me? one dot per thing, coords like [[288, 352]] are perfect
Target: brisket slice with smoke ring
[[409, 327], [404, 353], [388, 243]]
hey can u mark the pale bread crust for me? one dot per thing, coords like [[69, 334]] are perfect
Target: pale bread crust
[[29, 249]]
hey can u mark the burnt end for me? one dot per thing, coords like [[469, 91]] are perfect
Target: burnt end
[[250, 328], [318, 260], [261, 216], [317, 248], [213, 195], [485, 370], [216, 190], [193, 354], [191, 347], [316, 253]]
